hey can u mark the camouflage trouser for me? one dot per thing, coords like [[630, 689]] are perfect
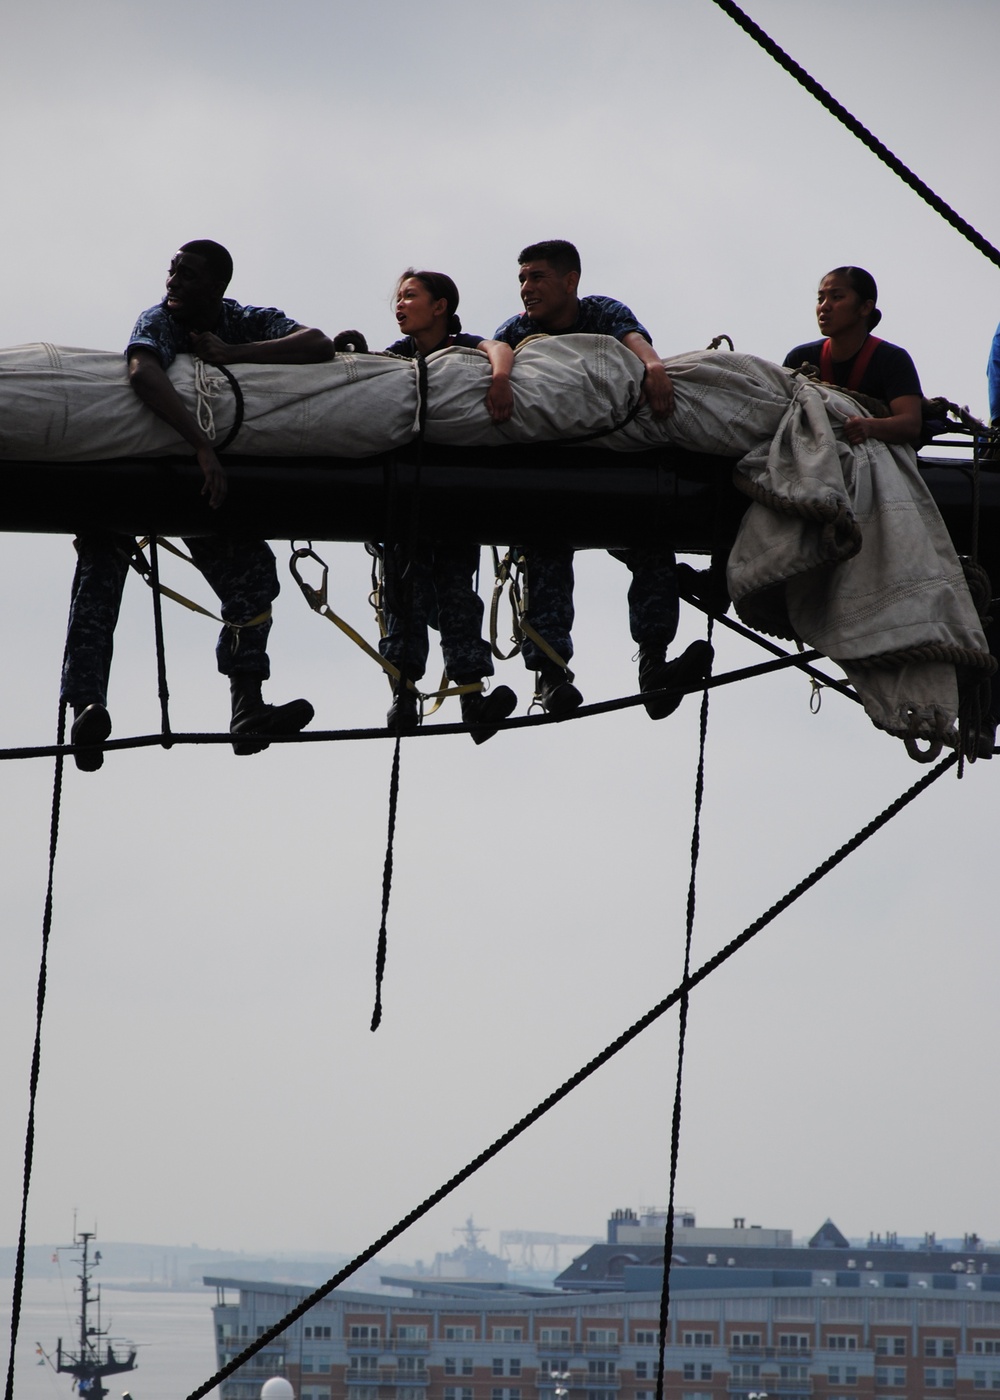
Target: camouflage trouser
[[652, 598], [653, 605], [433, 586], [241, 573]]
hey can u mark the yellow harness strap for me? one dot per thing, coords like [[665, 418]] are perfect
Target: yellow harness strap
[[189, 603], [317, 600], [504, 569]]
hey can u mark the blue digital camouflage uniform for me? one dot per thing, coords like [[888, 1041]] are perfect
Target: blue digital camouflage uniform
[[652, 596], [433, 586], [241, 572]]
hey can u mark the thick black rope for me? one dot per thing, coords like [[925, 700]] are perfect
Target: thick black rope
[[414, 529], [383, 935], [161, 660], [857, 129], [675, 1126], [29, 1136], [576, 1079], [783, 662]]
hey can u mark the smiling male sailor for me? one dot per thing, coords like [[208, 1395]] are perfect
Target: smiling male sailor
[[549, 276], [193, 318]]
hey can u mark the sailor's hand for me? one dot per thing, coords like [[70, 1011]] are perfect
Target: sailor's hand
[[658, 390], [215, 477], [858, 430], [500, 399], [211, 348]]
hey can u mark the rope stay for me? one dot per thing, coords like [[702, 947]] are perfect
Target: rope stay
[[582, 1074], [36, 1054], [675, 1123], [383, 934], [782, 662], [858, 129]]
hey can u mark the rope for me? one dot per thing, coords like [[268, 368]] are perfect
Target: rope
[[145, 572], [929, 653], [782, 662], [857, 129], [626, 1038], [206, 389], [383, 936], [675, 1127], [317, 600], [161, 660], [29, 1137]]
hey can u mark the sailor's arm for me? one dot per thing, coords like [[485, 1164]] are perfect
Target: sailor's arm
[[657, 388], [303, 346], [499, 397], [149, 380], [904, 424]]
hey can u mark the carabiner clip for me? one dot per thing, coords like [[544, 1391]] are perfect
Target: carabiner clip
[[315, 597]]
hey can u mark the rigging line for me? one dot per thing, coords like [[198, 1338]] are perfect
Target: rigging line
[[575, 1080], [29, 1136], [408, 596], [675, 1125], [383, 935], [161, 659], [784, 661], [859, 130], [796, 658]]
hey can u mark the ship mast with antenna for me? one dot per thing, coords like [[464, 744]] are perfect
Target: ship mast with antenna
[[97, 1356]]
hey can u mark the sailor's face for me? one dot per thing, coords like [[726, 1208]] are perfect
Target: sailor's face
[[839, 309], [549, 296], [416, 309], [193, 295]]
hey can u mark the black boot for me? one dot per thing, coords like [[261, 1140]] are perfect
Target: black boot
[[483, 713], [91, 726], [672, 678], [555, 692], [253, 719], [403, 716]]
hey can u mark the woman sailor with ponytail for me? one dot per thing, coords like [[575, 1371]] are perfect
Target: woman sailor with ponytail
[[436, 581], [853, 358]]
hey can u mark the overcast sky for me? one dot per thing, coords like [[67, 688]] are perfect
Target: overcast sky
[[208, 1074]]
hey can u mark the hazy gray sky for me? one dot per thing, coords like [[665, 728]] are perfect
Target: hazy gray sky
[[207, 1072]]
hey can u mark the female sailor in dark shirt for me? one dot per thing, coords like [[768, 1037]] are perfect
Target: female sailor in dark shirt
[[437, 579], [853, 358]]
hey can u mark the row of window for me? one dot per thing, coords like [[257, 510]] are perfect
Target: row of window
[[884, 1345], [369, 1365], [891, 1344], [547, 1336], [500, 1366], [373, 1392], [465, 1392], [935, 1377]]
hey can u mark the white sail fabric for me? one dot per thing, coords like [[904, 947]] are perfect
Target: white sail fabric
[[843, 547], [63, 404], [567, 386]]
